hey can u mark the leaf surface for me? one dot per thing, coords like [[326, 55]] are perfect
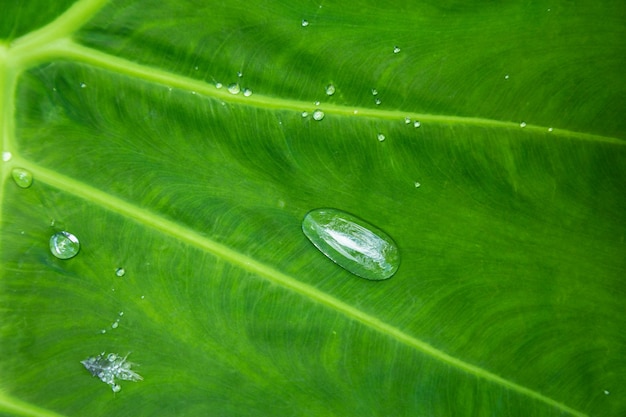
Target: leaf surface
[[487, 140]]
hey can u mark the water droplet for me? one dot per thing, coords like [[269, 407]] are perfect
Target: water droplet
[[305, 114], [606, 392], [121, 313], [115, 325], [239, 74], [247, 92], [195, 68], [103, 331], [407, 120], [416, 124], [352, 243], [396, 49], [143, 297], [22, 177], [64, 245], [219, 85], [522, 124], [506, 77], [6, 156], [83, 85], [305, 23], [417, 184], [193, 93], [317, 103], [377, 101], [120, 272], [374, 92], [234, 88], [356, 112], [380, 137], [330, 89], [116, 388], [318, 115], [550, 129]]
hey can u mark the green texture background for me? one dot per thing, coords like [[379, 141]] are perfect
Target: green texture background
[[510, 296]]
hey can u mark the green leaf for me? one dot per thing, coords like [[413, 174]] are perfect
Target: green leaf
[[487, 139]]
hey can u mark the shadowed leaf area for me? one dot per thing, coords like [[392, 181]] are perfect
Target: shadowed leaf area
[[180, 144]]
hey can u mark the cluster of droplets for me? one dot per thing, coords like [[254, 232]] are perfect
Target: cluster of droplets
[[235, 88], [109, 367]]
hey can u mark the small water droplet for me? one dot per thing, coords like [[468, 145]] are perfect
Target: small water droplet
[[116, 388], [195, 68], [380, 137], [522, 124], [64, 245], [247, 92], [377, 101], [120, 272], [193, 93], [219, 85], [606, 392], [374, 92], [115, 325], [103, 331], [239, 74], [318, 115], [506, 77], [396, 49], [6, 156], [83, 85], [234, 88], [305, 23], [416, 123], [550, 129], [22, 177], [305, 114], [121, 313], [407, 120], [143, 297], [330, 89], [417, 184], [352, 243], [317, 103], [356, 112]]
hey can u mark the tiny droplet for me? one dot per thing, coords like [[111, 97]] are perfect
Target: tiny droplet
[[305, 114], [116, 388], [352, 243], [120, 272], [83, 85], [318, 115], [64, 245], [234, 88], [22, 177], [381, 137], [239, 74], [330, 89], [6, 156], [115, 325], [417, 184], [506, 77], [522, 124], [606, 392], [305, 23], [219, 85], [247, 92], [317, 103], [407, 120], [377, 101], [374, 92], [396, 49], [550, 129], [417, 124]]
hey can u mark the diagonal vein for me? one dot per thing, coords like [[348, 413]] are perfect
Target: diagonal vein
[[191, 237]]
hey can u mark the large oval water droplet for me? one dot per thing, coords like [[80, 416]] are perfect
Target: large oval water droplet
[[352, 243], [64, 245], [22, 177]]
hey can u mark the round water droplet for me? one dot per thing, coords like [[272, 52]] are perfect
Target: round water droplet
[[396, 49], [64, 245], [120, 272], [116, 388], [22, 177], [83, 85], [506, 77], [305, 114], [330, 89], [550, 129], [417, 184], [239, 74], [219, 85], [317, 103], [377, 101], [407, 120], [522, 124], [606, 392], [417, 124], [374, 92], [305, 23], [247, 92], [234, 88], [6, 156], [121, 313], [115, 325], [380, 137], [352, 243], [318, 115]]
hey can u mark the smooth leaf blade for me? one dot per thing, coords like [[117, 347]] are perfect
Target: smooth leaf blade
[[508, 300]]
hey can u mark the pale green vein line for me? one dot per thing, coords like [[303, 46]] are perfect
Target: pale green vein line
[[66, 48], [15, 407], [192, 238]]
